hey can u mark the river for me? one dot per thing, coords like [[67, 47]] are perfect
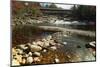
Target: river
[[73, 44]]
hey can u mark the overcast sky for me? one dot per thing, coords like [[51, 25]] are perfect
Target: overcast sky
[[58, 5], [64, 6]]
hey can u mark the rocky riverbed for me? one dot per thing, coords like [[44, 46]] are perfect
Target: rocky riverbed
[[32, 45], [38, 52], [49, 50], [17, 20]]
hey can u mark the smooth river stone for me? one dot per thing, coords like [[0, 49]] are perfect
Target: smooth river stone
[[15, 62], [36, 53], [29, 60], [35, 48]]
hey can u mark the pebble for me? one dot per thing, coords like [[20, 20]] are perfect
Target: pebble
[[29, 60]]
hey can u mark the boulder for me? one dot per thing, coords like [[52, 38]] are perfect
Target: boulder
[[52, 42], [65, 43], [15, 62], [29, 44], [30, 53], [35, 48], [40, 43], [37, 53], [49, 37], [29, 60], [65, 35], [53, 47], [23, 46], [44, 50], [26, 55], [44, 40], [18, 58], [91, 45], [23, 61], [14, 51], [46, 44], [36, 59], [56, 60], [34, 43], [59, 44], [19, 51]]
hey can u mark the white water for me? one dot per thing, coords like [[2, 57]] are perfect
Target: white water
[[69, 22]]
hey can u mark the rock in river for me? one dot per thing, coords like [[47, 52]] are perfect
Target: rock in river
[[23, 61], [64, 43], [91, 44], [30, 53], [18, 58], [29, 60], [57, 60], [52, 42], [40, 43], [14, 52], [19, 51], [49, 37], [15, 62], [53, 47], [36, 59], [46, 44], [44, 40], [36, 53], [35, 48], [44, 50], [23, 46]]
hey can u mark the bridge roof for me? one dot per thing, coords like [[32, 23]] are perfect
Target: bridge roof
[[55, 9]]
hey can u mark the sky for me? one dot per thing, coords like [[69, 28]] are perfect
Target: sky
[[64, 6], [58, 5]]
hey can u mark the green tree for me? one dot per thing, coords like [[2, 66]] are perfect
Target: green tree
[[52, 6], [83, 12]]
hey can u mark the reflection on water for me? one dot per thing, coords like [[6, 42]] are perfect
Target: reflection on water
[[80, 26]]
